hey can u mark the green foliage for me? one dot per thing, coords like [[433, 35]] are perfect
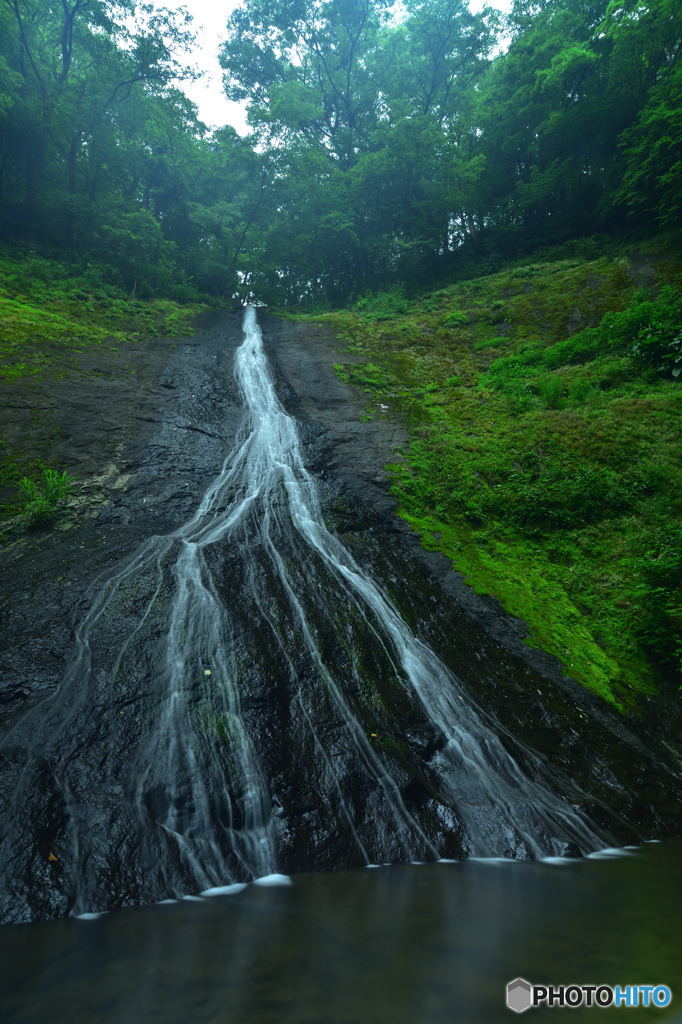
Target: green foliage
[[551, 392], [657, 338], [385, 152], [647, 333], [382, 305], [565, 509], [103, 156], [658, 591], [496, 342], [50, 310], [367, 376], [44, 496], [455, 319], [652, 148]]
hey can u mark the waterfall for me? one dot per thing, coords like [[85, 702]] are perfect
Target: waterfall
[[159, 770]]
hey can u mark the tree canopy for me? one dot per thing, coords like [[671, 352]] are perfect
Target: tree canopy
[[388, 144]]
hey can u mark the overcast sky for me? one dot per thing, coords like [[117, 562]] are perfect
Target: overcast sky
[[210, 19]]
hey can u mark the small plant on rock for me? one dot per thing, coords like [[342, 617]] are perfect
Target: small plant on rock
[[44, 496]]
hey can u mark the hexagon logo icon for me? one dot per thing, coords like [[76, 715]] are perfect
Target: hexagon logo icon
[[519, 995]]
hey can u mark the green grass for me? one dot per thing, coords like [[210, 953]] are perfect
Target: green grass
[[543, 407], [50, 311], [44, 496]]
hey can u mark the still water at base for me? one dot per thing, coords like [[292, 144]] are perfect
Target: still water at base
[[416, 944]]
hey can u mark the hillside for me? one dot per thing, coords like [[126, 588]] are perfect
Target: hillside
[[52, 312], [543, 414], [542, 408]]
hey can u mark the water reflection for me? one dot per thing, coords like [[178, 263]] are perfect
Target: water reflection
[[405, 945]]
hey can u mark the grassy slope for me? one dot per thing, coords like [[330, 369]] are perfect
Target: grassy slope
[[549, 478], [50, 312]]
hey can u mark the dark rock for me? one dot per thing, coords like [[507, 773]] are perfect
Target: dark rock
[[144, 448]]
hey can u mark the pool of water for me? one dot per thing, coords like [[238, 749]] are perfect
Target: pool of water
[[417, 944]]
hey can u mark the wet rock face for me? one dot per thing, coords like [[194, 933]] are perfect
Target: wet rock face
[[626, 762], [119, 787]]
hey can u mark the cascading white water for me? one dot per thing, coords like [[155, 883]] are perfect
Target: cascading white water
[[491, 792], [189, 787]]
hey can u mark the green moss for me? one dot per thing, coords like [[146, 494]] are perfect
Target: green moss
[[520, 575], [50, 311], [543, 449], [367, 376]]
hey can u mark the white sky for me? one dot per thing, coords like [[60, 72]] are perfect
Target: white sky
[[210, 18]]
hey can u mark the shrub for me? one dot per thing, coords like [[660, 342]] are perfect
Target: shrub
[[581, 391], [648, 330], [551, 392], [659, 596], [382, 305], [455, 319], [43, 497], [658, 341]]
